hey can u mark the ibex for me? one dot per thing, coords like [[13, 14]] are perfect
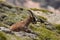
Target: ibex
[[23, 25]]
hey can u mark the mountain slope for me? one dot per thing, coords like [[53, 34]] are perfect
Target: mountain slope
[[10, 14]]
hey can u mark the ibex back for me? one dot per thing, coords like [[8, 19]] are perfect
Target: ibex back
[[22, 25]]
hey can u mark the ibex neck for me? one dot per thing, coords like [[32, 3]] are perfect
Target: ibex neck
[[28, 21]]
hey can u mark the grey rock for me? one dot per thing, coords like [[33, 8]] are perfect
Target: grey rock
[[20, 34], [6, 30], [25, 34]]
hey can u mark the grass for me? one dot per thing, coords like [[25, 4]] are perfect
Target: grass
[[42, 10], [19, 15], [45, 34]]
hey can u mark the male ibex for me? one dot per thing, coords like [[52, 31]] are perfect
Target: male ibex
[[23, 25]]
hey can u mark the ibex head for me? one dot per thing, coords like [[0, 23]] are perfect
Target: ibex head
[[33, 17]]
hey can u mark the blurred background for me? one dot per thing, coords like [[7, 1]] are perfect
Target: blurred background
[[52, 5]]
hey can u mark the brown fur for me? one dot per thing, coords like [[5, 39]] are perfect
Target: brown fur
[[23, 25]]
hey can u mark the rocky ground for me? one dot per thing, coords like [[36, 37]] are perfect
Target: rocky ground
[[45, 28]]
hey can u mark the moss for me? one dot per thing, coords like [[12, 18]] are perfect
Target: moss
[[21, 14], [57, 27], [2, 0], [44, 34], [43, 10], [2, 36], [41, 17]]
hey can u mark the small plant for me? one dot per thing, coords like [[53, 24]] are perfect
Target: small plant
[[2, 36], [58, 28]]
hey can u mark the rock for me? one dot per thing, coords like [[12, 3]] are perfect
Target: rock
[[6, 30], [21, 33], [25, 34], [14, 15]]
